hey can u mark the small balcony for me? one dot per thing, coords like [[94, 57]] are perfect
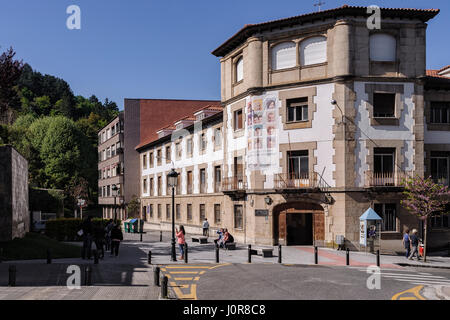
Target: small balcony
[[297, 181], [387, 179], [237, 183]]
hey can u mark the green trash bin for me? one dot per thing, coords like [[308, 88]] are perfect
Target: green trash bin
[[134, 226]]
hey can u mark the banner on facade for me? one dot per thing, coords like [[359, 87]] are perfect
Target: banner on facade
[[362, 233]]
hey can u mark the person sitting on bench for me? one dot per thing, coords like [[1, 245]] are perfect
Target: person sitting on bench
[[219, 241], [228, 238]]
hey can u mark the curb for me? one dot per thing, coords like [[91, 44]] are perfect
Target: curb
[[420, 265], [440, 294]]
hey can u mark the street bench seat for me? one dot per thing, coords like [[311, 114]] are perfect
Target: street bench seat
[[230, 246], [200, 239], [266, 253]]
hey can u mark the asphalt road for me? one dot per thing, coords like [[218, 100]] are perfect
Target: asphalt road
[[299, 282]]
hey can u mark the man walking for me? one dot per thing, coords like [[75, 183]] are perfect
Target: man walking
[[206, 228], [414, 239], [406, 243], [87, 237]]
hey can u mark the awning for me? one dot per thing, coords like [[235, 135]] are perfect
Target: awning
[[370, 214]]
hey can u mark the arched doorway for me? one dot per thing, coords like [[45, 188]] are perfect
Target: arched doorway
[[298, 223]]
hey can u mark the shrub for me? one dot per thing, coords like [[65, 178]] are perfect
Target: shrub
[[65, 229]]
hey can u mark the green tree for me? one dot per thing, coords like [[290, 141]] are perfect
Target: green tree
[[10, 72], [133, 207]]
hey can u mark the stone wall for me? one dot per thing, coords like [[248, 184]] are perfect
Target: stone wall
[[14, 213]]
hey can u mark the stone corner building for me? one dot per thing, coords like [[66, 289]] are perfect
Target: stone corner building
[[14, 213], [322, 118]]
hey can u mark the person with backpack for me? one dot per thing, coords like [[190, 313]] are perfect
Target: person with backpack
[[116, 238]]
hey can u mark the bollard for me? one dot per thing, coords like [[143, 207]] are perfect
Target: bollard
[[279, 253], [156, 276], [160, 236], [1, 254], [149, 257], [249, 253], [164, 287], [316, 255], [88, 276], [378, 258], [448, 253], [49, 257], [141, 236], [217, 254], [95, 257], [12, 276], [347, 257], [185, 252]]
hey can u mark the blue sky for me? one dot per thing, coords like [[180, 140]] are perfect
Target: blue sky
[[159, 48]]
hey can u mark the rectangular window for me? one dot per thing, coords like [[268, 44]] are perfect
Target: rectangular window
[[202, 180], [159, 186], [158, 157], [108, 134], [383, 160], [178, 188], [298, 164], [189, 211], [202, 142], [440, 112], [151, 186], [387, 211], [189, 147], [440, 219], [168, 154], [108, 191], [159, 211], [151, 210], [238, 216], [383, 105], [144, 186], [297, 110], [189, 182], [167, 211], [144, 161], [217, 179], [178, 212], [108, 152], [218, 138], [113, 130], [440, 167], [151, 159], [178, 150], [202, 212], [217, 213], [238, 120], [113, 150]]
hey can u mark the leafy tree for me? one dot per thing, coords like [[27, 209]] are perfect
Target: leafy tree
[[133, 207], [424, 197], [10, 71]]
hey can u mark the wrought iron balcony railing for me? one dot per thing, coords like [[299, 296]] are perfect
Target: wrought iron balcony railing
[[386, 179], [309, 180], [235, 183]]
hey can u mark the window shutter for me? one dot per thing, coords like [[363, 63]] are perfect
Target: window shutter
[[313, 51], [283, 56]]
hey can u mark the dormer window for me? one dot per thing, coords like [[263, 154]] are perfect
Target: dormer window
[[240, 69], [383, 47], [284, 56], [313, 51]]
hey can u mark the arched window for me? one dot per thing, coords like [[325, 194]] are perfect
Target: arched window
[[313, 50], [383, 47], [240, 69], [283, 56]]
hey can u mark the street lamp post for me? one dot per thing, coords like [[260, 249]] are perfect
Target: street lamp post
[[172, 181], [114, 188]]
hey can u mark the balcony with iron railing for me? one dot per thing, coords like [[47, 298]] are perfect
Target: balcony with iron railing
[[309, 180], [386, 179], [236, 183]]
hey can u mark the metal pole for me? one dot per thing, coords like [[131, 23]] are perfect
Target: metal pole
[[95, 256], [141, 235], [279, 253], [49, 257], [249, 253], [347, 257], [115, 209], [378, 258], [156, 272], [149, 257], [1, 253], [185, 252], [164, 287], [12, 276], [174, 258], [160, 236], [316, 255], [217, 253]]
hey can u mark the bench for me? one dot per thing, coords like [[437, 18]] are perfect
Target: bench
[[264, 252], [230, 246], [200, 239]]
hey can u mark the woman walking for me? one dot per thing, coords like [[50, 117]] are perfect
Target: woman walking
[[181, 240], [116, 237]]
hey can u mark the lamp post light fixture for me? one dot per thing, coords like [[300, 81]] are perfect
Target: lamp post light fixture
[[115, 189], [172, 179], [268, 200]]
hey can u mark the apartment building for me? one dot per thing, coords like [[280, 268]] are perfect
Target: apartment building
[[111, 169], [322, 118]]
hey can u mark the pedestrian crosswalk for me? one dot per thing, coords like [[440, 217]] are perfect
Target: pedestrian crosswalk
[[411, 276]]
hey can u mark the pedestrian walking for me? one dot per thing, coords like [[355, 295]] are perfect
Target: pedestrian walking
[[206, 228], [406, 243], [414, 240], [116, 237], [108, 229], [99, 239], [87, 237], [181, 240]]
